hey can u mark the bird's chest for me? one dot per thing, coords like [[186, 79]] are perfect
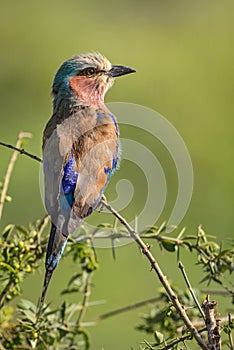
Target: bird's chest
[[83, 132]]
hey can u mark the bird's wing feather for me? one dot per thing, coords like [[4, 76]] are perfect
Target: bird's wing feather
[[79, 158], [98, 154]]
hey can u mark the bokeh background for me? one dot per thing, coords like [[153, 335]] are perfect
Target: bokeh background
[[183, 52]]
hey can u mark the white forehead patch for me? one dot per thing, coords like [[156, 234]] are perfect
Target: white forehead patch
[[94, 59]]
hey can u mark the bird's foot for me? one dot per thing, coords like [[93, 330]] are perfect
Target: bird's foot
[[104, 198], [101, 205]]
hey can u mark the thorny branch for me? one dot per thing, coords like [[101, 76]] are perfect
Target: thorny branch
[[163, 279]]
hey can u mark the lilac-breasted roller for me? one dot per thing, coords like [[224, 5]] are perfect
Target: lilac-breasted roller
[[80, 148]]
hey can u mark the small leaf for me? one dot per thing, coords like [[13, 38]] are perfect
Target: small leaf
[[170, 246], [63, 311], [189, 237], [152, 229], [28, 309], [22, 230], [7, 230], [105, 225], [69, 291], [8, 267], [187, 246], [159, 337], [33, 343], [76, 276]]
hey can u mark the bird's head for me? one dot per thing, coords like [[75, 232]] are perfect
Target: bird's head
[[88, 76]]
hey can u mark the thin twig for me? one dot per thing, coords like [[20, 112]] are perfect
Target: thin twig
[[21, 150], [84, 305], [113, 240], [128, 308], [179, 340], [11, 164], [181, 266], [119, 235], [200, 323], [216, 292], [154, 265], [42, 225], [175, 342]]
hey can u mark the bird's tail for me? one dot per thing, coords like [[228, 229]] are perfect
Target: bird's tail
[[55, 247], [47, 279]]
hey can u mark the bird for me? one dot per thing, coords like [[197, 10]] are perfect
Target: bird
[[80, 147]]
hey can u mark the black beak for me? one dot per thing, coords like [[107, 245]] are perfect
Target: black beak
[[117, 71]]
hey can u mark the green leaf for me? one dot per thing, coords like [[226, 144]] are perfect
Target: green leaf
[[151, 229], [187, 245], [159, 337], [33, 343], [190, 237], [63, 311], [69, 291], [76, 276], [170, 246], [105, 225], [27, 304], [22, 230], [8, 267], [7, 230], [28, 309]]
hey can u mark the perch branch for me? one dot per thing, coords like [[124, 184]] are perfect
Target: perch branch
[[163, 279]]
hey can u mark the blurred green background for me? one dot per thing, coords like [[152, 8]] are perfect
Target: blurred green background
[[183, 52]]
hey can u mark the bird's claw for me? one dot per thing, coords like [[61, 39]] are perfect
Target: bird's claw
[[101, 205]]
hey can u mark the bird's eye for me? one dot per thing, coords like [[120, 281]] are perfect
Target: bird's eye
[[89, 71]]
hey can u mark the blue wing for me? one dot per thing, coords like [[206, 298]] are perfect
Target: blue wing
[[68, 185]]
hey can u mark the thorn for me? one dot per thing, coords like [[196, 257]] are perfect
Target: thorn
[[146, 248]]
